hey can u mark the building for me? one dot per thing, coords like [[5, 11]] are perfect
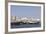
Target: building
[[24, 19]]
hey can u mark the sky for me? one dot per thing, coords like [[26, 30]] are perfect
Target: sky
[[29, 11]]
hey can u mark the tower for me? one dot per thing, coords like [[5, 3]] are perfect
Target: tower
[[13, 18]]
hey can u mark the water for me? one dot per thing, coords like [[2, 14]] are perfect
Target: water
[[13, 25]]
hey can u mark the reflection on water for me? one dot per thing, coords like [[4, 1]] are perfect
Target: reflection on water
[[25, 25]]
